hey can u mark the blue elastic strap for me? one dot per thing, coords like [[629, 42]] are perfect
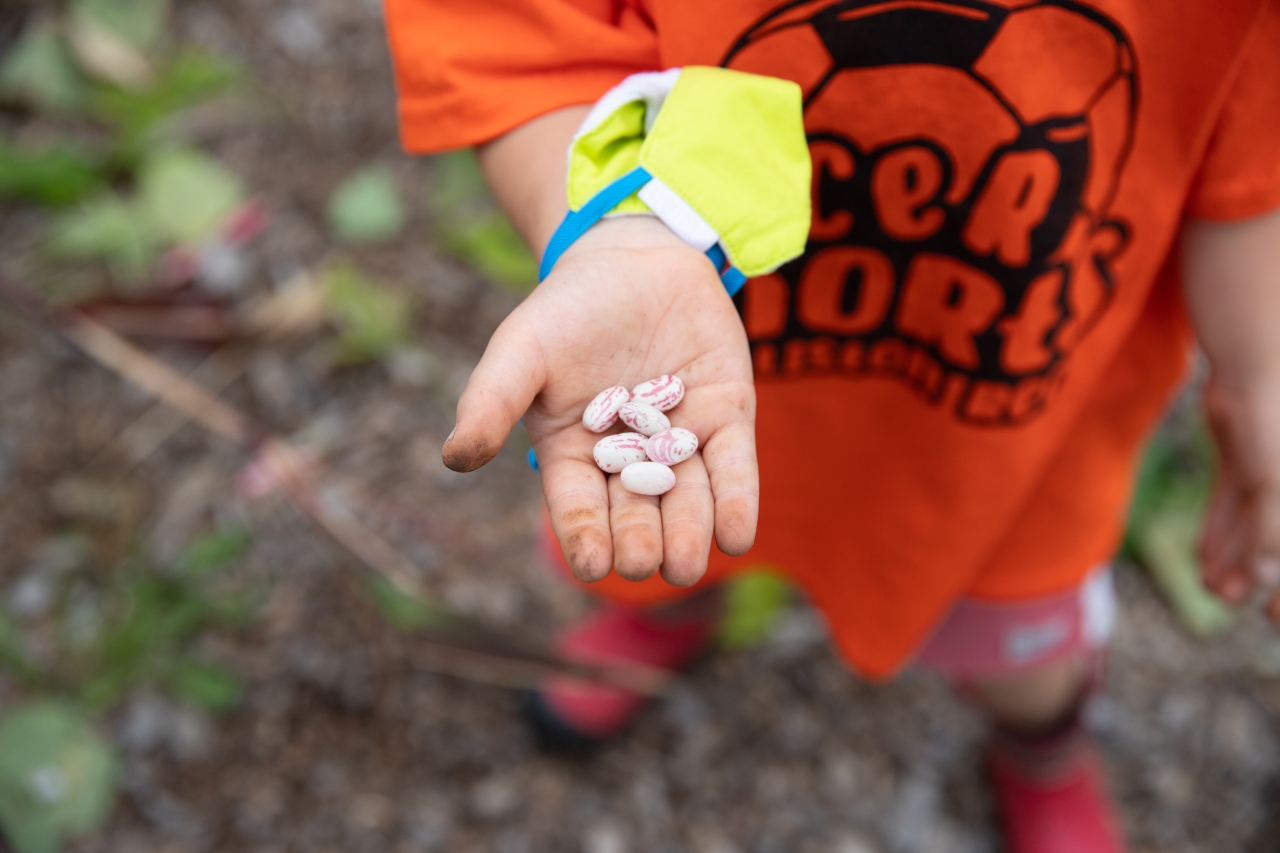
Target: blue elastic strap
[[578, 221], [532, 458], [732, 277]]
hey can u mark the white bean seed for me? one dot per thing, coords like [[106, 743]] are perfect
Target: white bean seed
[[662, 393], [648, 478], [671, 446], [602, 412], [643, 418], [615, 452]]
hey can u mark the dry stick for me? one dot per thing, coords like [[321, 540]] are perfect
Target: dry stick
[[165, 383], [160, 421]]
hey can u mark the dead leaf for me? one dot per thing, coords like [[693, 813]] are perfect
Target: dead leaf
[[106, 55]]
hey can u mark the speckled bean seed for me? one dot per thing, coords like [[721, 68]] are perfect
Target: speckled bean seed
[[615, 452], [602, 412], [662, 393], [671, 446], [648, 478], [643, 418]]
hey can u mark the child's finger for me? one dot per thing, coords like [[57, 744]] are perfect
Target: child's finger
[[578, 501], [1218, 532], [637, 532], [730, 457], [1228, 569], [1268, 543], [687, 519], [504, 383]]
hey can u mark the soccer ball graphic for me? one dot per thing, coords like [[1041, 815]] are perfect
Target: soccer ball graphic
[[965, 159]]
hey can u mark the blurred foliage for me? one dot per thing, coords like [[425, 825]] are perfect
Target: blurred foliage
[[57, 777], [366, 207], [140, 22], [56, 176], [188, 79], [183, 196], [402, 610], [1170, 496], [39, 71], [471, 226], [753, 602], [137, 629], [152, 619], [106, 228], [372, 320]]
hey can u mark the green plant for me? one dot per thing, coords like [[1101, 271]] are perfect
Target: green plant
[[372, 319], [182, 197], [471, 226], [366, 207], [753, 602], [1170, 496], [57, 777], [152, 619], [404, 611], [54, 176]]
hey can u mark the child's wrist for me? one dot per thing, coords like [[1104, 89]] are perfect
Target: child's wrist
[[638, 231]]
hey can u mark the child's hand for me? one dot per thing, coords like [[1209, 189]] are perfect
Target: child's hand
[[1231, 273], [1241, 543], [628, 302]]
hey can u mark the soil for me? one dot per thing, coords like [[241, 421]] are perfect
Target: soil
[[344, 741]]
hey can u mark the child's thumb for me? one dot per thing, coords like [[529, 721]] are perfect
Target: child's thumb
[[500, 390]]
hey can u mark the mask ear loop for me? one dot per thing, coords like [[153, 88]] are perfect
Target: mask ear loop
[[576, 223]]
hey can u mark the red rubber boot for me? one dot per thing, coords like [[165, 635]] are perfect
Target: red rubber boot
[[1051, 794], [572, 714]]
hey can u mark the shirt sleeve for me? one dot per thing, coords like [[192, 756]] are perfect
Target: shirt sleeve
[[1240, 175], [470, 70]]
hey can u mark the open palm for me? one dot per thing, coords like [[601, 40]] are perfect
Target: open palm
[[628, 302]]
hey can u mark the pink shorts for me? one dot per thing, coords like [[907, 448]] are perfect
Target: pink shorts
[[984, 639]]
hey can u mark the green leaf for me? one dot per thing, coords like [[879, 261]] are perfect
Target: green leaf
[[497, 252], [402, 610], [14, 658], [458, 185], [189, 79], [57, 777], [55, 176], [213, 551], [38, 71], [141, 22], [473, 228], [372, 320], [185, 196], [366, 208], [109, 229], [753, 603], [1166, 545], [208, 687], [154, 620]]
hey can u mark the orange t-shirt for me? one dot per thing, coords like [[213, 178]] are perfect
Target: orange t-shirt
[[955, 378]]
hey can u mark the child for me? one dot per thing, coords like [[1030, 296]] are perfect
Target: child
[[1020, 210]]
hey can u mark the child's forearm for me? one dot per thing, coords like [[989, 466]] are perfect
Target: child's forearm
[[1231, 276], [526, 169]]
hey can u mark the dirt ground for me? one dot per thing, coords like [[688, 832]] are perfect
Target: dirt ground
[[344, 742]]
